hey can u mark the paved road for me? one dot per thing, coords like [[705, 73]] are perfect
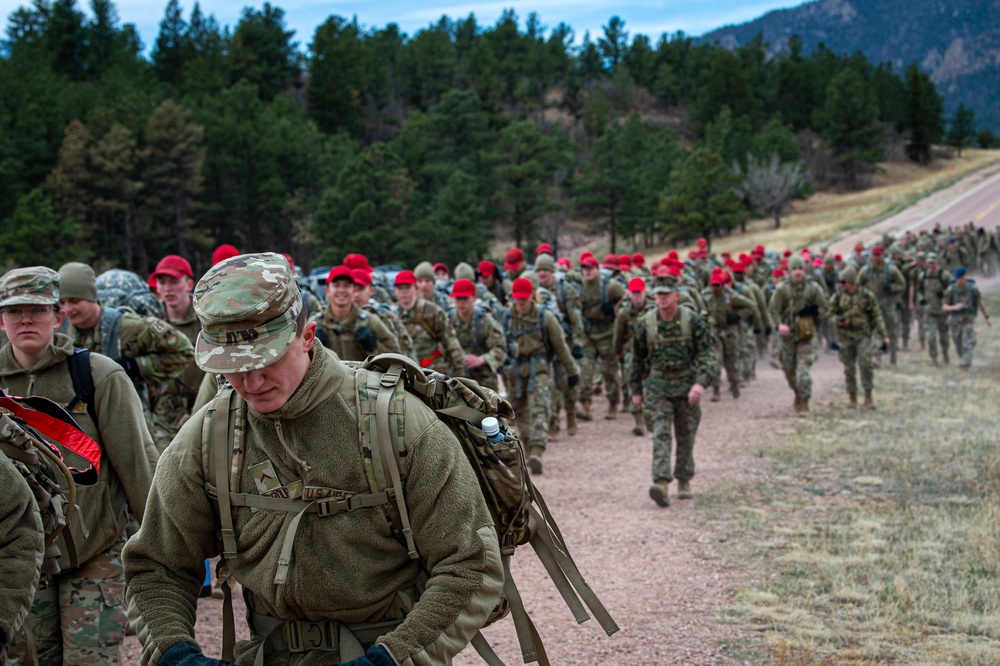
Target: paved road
[[980, 205]]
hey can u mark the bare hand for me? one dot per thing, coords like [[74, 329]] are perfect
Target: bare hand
[[473, 361], [694, 395], [885, 343], [784, 330], [637, 400]]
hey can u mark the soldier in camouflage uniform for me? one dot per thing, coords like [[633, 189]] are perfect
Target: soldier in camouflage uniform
[[539, 341], [364, 298], [916, 309], [601, 296], [351, 333], [434, 342], [798, 305], [953, 255], [79, 617], [150, 350], [930, 291], [963, 303], [671, 368], [22, 550], [727, 309], [174, 282], [300, 428], [857, 316], [481, 336], [629, 310], [886, 281], [762, 325], [567, 299]]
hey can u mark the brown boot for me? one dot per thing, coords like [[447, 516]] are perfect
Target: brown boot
[[869, 403], [553, 428], [571, 423], [684, 490], [798, 404], [853, 398], [638, 430], [715, 393], [612, 411], [535, 459], [804, 408], [735, 390], [584, 413], [659, 493]]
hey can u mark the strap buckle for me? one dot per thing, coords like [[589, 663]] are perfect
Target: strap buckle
[[323, 507], [303, 635]]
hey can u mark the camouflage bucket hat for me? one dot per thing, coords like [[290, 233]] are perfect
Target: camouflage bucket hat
[[247, 306], [37, 285]]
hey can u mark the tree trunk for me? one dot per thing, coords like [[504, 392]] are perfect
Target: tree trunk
[[179, 226], [777, 219]]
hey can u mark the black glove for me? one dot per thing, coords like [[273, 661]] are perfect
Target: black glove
[[732, 318], [376, 655], [131, 367], [811, 310], [887, 285], [884, 347], [834, 346], [365, 338], [576, 351], [767, 331], [608, 308], [573, 380], [186, 654]]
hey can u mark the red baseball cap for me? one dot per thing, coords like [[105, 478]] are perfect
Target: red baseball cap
[[543, 248], [625, 261], [838, 257], [717, 278], [759, 250], [341, 273], [859, 246], [589, 260], [739, 267], [361, 277], [672, 255], [638, 259], [513, 258], [636, 284], [441, 267], [563, 261], [223, 252], [405, 277], [610, 261], [778, 273], [463, 289], [288, 258], [702, 242], [487, 268], [878, 249], [522, 288], [173, 266]]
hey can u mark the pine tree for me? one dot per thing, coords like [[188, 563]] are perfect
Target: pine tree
[[925, 115], [115, 186], [35, 235], [963, 128], [849, 124], [337, 76], [701, 199]]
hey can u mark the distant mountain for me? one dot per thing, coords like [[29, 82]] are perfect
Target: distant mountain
[[956, 41]]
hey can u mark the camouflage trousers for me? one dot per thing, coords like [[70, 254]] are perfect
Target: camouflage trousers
[[797, 358], [532, 410], [727, 342], [563, 397], [627, 365], [598, 356], [748, 354], [856, 353], [963, 334], [79, 618], [676, 415], [921, 318], [170, 413], [936, 327], [890, 315], [905, 324]]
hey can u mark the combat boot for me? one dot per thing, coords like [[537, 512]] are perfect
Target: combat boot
[[869, 402], [944, 354], [612, 412], [571, 423], [892, 358], [638, 430], [584, 413], [853, 397], [804, 408], [553, 428], [798, 404], [735, 390], [684, 490], [715, 393], [535, 459], [659, 493]]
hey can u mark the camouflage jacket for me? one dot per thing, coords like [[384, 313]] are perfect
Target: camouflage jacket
[[626, 316], [857, 316], [887, 283], [160, 350], [433, 340], [789, 299], [389, 312], [481, 335], [673, 363], [597, 323], [968, 297], [339, 336], [22, 545], [188, 381], [728, 308], [568, 301], [931, 289], [534, 343]]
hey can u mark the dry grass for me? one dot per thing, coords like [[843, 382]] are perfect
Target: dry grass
[[876, 537]]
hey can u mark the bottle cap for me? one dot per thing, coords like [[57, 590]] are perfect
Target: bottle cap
[[491, 427]]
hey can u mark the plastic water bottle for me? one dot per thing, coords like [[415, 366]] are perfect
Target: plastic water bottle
[[491, 428]]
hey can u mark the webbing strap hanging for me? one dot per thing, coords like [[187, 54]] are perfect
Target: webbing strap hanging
[[385, 444], [222, 432]]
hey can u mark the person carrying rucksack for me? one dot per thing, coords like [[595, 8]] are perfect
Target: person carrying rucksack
[[481, 336], [673, 361], [332, 583], [963, 303]]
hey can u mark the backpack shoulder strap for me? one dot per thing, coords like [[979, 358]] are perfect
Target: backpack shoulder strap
[[83, 382], [686, 328], [111, 327], [222, 444]]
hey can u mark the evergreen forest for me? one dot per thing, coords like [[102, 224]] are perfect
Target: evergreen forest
[[430, 145]]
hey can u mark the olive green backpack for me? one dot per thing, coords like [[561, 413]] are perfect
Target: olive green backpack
[[518, 510]]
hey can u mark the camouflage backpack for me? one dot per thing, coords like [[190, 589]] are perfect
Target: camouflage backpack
[[120, 288], [519, 513]]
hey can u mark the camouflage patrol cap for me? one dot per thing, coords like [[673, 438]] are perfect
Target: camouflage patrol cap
[[424, 270], [932, 256], [247, 306], [665, 284], [36, 285], [545, 262]]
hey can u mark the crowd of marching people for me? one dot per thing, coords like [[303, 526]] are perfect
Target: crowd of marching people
[[566, 341]]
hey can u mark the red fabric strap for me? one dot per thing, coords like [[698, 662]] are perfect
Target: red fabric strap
[[69, 437]]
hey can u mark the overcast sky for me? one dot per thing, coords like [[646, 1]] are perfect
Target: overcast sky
[[648, 17]]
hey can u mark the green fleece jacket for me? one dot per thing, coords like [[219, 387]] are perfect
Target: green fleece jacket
[[21, 548], [346, 567], [128, 457]]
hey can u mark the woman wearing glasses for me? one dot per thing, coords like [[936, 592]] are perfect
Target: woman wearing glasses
[[79, 618]]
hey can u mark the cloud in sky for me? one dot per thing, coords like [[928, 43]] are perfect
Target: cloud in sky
[[648, 17]]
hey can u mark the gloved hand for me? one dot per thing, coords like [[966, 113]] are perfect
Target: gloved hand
[[886, 285], [376, 655], [186, 654], [732, 318], [608, 308], [811, 310], [884, 347], [573, 380], [576, 351], [131, 367], [767, 331], [365, 338], [834, 346]]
